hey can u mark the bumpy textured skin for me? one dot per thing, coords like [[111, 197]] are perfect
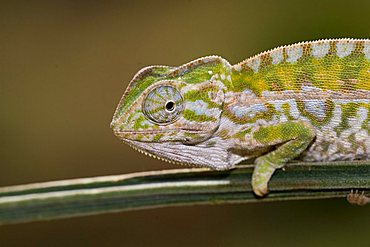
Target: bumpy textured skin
[[308, 101]]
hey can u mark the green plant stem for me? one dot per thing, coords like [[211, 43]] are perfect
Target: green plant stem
[[88, 196]]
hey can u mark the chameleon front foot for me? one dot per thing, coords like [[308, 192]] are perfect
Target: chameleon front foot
[[357, 198], [290, 140], [261, 176]]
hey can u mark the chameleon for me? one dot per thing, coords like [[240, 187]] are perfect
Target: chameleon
[[307, 101]]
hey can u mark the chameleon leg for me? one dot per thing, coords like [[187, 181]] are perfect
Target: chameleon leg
[[291, 139]]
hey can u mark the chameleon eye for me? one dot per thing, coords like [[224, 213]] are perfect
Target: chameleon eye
[[163, 105]]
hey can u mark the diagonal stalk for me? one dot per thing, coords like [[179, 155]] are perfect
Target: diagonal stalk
[[88, 196]]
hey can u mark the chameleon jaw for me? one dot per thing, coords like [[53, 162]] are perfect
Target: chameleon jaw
[[168, 160], [215, 157], [175, 134]]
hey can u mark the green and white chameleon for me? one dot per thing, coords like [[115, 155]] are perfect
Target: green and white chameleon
[[308, 101]]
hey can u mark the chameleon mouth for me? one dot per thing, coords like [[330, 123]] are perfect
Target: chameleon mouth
[[137, 147], [124, 133], [157, 131]]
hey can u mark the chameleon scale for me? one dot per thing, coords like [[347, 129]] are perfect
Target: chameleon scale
[[308, 101]]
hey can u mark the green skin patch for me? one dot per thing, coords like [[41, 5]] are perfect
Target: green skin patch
[[307, 101]]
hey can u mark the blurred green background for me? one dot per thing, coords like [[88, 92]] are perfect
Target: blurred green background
[[65, 64]]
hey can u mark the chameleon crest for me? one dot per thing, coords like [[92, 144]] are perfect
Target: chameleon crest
[[308, 101]]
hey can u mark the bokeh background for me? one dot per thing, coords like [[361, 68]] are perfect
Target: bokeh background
[[63, 68]]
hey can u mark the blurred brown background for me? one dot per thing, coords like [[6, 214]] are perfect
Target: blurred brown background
[[63, 68]]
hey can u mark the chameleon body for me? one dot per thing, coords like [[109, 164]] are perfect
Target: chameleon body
[[308, 101]]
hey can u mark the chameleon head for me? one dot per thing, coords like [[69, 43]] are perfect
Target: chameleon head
[[165, 108]]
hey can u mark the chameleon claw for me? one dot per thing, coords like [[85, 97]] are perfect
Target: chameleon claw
[[261, 176], [261, 191], [356, 198]]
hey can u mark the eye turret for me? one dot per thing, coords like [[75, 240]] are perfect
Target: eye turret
[[163, 105]]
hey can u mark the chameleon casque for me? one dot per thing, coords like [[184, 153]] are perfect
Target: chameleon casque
[[308, 101]]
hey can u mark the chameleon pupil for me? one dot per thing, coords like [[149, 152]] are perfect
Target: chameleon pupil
[[170, 106]]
